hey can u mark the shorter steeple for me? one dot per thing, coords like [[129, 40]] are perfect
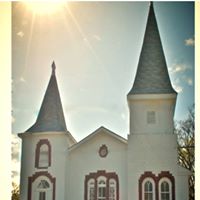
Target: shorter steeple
[[53, 66], [51, 116], [152, 75]]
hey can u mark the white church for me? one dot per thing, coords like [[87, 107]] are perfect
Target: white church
[[104, 165]]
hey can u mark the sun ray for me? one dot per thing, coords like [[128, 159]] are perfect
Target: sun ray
[[89, 45], [45, 7], [83, 35], [29, 43]]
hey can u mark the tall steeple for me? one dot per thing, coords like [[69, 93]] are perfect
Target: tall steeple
[[50, 117], [152, 75]]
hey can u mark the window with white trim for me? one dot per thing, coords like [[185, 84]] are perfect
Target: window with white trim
[[148, 189], [91, 189], [101, 192], [42, 187], [112, 189], [101, 185], [165, 189], [44, 156]]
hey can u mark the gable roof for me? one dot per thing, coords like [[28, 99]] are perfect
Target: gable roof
[[51, 116], [152, 75], [96, 132]]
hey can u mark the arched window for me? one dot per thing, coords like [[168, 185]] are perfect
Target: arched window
[[161, 187], [41, 186], [91, 189], [101, 185], [43, 154], [112, 189], [101, 192], [148, 188], [148, 191], [42, 189], [165, 192]]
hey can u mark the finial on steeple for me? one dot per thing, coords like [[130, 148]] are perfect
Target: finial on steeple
[[53, 68], [50, 117], [151, 3]]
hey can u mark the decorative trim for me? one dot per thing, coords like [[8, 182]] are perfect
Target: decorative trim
[[151, 96], [162, 174], [108, 175], [103, 151], [147, 174], [168, 175], [96, 132], [37, 153], [32, 178]]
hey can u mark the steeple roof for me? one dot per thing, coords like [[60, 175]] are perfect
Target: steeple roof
[[152, 75], [50, 117]]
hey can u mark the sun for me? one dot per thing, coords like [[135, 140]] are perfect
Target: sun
[[45, 7]]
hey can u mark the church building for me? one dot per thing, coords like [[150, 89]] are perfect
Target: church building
[[104, 165]]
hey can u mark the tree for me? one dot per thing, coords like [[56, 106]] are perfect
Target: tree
[[15, 191], [186, 144]]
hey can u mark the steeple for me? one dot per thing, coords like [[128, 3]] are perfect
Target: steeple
[[50, 117], [152, 75]]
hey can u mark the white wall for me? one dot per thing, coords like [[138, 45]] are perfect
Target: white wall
[[155, 153], [85, 159], [163, 105], [182, 191], [59, 144]]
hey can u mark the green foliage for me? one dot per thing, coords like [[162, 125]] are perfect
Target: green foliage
[[186, 145], [15, 191]]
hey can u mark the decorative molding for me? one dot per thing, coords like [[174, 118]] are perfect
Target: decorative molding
[[147, 174], [108, 175], [32, 178], [168, 175], [162, 174], [103, 151], [37, 153]]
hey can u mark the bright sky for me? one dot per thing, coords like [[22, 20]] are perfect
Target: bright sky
[[96, 47]]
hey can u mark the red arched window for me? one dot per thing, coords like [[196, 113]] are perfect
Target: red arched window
[[166, 186], [43, 154], [41, 186], [101, 185], [147, 186], [161, 187], [148, 189]]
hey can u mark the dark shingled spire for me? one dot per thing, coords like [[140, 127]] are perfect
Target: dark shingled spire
[[152, 75], [50, 117]]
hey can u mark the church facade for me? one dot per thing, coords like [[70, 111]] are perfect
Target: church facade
[[104, 165]]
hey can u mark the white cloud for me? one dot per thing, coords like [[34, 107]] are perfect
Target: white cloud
[[97, 37], [188, 80], [15, 147], [178, 88], [189, 42], [178, 68], [15, 158], [176, 83], [20, 34], [22, 79], [85, 39]]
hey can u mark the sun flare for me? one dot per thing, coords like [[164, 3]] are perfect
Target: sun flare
[[45, 7]]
